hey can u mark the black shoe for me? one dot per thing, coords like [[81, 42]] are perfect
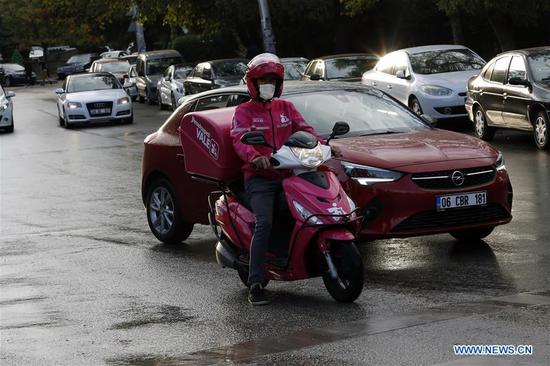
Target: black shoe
[[257, 295]]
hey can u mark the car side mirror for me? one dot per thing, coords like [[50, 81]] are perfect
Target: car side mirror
[[315, 77], [340, 128], [401, 74], [59, 91], [10, 94], [254, 138], [519, 81], [429, 119]]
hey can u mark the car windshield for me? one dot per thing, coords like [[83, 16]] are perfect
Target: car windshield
[[294, 69], [182, 72], [114, 67], [93, 82], [436, 62], [540, 67], [12, 67], [79, 59], [343, 68], [366, 111], [230, 68], [157, 66]]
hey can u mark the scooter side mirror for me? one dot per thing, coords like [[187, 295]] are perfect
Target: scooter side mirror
[[340, 128], [254, 138]]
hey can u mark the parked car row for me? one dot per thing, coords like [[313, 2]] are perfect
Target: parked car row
[[15, 74], [448, 81]]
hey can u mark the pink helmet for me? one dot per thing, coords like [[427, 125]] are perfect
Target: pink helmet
[[265, 64]]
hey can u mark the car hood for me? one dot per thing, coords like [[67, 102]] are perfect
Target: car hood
[[542, 91], [453, 80], [404, 151], [96, 95]]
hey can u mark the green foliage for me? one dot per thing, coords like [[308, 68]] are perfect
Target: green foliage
[[196, 48], [357, 7]]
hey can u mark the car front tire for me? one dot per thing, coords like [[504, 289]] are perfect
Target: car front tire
[[163, 213], [472, 235], [161, 105], [414, 105], [540, 130], [174, 103], [482, 129], [10, 128]]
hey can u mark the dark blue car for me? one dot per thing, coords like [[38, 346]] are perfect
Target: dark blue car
[[76, 64]]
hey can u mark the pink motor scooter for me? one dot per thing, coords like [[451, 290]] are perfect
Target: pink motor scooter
[[315, 222]]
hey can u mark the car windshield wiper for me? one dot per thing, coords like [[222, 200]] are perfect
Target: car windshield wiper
[[386, 132], [545, 79]]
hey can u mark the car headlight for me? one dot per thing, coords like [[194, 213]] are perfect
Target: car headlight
[[74, 105], [309, 157], [305, 214], [3, 107], [124, 100], [369, 175], [436, 90], [499, 164]]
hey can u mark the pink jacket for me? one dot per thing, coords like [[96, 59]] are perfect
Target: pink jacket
[[278, 120]]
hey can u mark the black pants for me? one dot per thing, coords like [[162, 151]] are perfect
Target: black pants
[[261, 195]]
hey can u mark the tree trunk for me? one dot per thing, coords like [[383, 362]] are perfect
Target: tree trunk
[[502, 33], [456, 27]]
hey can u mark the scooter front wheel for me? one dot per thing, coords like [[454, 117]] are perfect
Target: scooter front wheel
[[349, 265]]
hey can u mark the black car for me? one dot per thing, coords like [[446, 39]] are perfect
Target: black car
[[215, 74], [344, 67], [512, 91], [13, 74], [76, 64]]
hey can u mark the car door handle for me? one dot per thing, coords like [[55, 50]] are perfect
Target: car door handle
[[389, 86], [373, 83]]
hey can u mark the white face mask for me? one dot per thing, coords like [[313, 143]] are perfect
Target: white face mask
[[267, 91]]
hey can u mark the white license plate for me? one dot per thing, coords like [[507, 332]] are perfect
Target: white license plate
[[461, 200], [101, 111]]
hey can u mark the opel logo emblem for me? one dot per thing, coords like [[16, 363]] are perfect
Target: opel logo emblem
[[457, 178]]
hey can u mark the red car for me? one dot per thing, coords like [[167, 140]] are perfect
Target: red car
[[409, 178]]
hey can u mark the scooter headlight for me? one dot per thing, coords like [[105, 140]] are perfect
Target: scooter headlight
[[305, 214], [369, 175], [310, 158]]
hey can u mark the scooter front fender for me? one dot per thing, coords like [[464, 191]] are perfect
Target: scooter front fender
[[336, 234]]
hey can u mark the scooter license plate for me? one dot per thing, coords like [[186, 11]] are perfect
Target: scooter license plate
[[470, 199]]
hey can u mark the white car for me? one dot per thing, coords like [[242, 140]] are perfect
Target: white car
[[6, 110], [92, 97], [431, 80], [170, 85]]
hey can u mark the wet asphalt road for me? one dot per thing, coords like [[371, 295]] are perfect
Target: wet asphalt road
[[83, 282]]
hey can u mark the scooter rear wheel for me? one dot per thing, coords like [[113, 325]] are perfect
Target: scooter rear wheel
[[349, 265]]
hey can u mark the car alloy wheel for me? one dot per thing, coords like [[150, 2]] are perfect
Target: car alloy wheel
[[161, 210], [483, 131], [415, 106], [541, 131], [163, 214]]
